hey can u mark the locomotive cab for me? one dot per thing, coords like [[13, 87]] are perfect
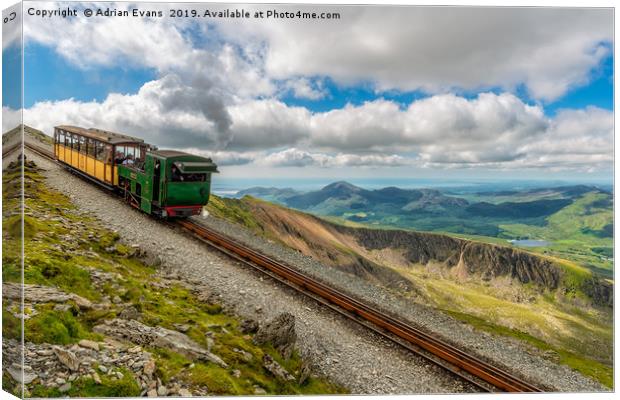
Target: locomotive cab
[[169, 184]]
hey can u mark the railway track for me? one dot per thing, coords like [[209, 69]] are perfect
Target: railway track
[[471, 369]]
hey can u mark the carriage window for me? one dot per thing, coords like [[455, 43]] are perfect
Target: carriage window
[[99, 151], [107, 154], [82, 147], [91, 147], [73, 143], [60, 139], [119, 154]]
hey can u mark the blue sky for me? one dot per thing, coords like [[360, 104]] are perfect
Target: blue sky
[[11, 73], [49, 77], [385, 92], [599, 91]]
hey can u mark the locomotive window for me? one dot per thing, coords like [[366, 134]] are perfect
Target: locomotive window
[[177, 176]]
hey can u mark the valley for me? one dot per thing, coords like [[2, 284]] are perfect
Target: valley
[[558, 306]]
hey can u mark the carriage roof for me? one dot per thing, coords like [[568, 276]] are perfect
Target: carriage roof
[[101, 135]]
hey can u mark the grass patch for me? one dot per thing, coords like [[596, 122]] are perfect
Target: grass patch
[[55, 327], [233, 210], [87, 387], [11, 325], [596, 370]]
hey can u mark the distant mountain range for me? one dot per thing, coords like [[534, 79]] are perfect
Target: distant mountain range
[[577, 220], [345, 199]]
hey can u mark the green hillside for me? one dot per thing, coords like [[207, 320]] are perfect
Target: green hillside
[[581, 232]]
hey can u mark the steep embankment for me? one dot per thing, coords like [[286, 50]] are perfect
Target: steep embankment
[[308, 234], [355, 250]]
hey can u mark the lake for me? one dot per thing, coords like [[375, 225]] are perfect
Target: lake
[[530, 243]]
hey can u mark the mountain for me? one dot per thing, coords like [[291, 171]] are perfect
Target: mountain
[[549, 302], [530, 209], [14, 135], [270, 194], [342, 196], [434, 201], [335, 191]]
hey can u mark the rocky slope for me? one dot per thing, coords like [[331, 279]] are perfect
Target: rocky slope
[[101, 320]]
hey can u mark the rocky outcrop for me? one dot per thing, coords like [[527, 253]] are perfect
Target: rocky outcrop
[[491, 261], [374, 272], [61, 367], [307, 233], [276, 369], [42, 294], [478, 259], [138, 333], [67, 358], [280, 332], [601, 291]]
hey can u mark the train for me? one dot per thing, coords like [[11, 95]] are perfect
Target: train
[[163, 183]]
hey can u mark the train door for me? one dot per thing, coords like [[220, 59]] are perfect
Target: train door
[[156, 179], [82, 153]]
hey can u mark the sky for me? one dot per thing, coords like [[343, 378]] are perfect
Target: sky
[[386, 92]]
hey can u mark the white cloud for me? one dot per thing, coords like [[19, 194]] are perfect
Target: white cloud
[[224, 158], [267, 123], [437, 49], [11, 30], [110, 41], [576, 139], [434, 49], [441, 128], [303, 88], [490, 131], [294, 157], [10, 118]]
